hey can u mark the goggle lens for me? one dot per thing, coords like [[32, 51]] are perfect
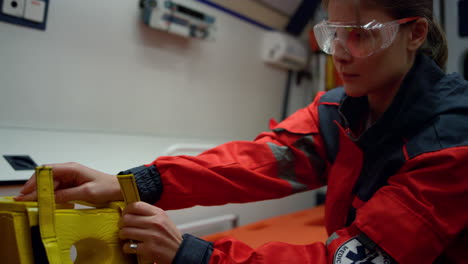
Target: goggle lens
[[361, 42], [358, 41]]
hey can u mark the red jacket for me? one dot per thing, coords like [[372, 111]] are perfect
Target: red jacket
[[398, 191]]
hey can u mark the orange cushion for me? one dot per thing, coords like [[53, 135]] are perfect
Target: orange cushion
[[300, 228]]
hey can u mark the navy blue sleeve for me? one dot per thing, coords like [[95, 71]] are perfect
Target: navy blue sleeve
[[193, 250], [148, 181]]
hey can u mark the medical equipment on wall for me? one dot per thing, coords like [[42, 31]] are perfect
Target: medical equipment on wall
[[183, 18], [284, 51], [28, 13], [463, 33]]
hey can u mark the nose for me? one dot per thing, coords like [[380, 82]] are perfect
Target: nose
[[341, 53]]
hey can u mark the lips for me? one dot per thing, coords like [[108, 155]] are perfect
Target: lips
[[349, 76]]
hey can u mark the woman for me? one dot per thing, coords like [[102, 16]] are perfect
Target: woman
[[391, 146]]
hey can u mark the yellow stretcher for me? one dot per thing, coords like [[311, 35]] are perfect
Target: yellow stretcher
[[45, 232]]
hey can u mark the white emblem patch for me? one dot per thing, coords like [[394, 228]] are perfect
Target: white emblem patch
[[354, 252]]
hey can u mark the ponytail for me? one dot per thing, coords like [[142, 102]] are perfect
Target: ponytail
[[436, 44]]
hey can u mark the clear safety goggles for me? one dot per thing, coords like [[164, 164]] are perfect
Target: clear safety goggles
[[358, 40]]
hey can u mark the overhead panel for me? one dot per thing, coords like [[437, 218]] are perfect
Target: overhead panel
[[257, 12], [288, 7]]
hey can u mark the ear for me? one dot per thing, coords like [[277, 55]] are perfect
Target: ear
[[418, 34]]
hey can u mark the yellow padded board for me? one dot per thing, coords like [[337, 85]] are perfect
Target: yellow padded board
[[92, 231]]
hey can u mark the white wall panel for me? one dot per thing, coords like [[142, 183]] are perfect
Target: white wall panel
[[98, 68], [100, 88]]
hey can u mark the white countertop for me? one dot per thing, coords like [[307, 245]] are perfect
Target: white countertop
[[109, 153], [112, 153]]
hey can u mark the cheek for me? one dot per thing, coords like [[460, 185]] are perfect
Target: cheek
[[397, 53], [385, 66], [396, 60], [373, 68], [376, 73]]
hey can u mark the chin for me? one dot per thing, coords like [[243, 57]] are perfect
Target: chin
[[354, 90]]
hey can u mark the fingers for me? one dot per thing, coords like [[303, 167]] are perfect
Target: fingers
[[58, 170], [133, 233], [29, 186], [61, 196], [141, 222], [129, 220], [150, 230], [143, 209], [31, 196], [71, 194], [73, 181], [145, 228], [28, 192]]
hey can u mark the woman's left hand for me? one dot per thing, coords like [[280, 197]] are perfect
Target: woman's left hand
[[156, 237]]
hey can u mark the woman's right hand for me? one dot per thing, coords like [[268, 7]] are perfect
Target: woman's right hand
[[74, 181]]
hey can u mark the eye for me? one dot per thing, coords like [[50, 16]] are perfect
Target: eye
[[358, 34], [341, 33]]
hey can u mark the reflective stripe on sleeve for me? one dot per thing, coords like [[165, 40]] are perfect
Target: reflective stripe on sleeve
[[285, 159], [306, 144]]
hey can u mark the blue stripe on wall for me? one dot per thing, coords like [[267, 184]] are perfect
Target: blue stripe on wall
[[232, 13]]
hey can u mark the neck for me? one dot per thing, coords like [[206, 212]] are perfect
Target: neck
[[381, 100]]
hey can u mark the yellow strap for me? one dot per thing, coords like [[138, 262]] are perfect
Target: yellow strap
[[46, 205], [129, 188], [130, 193]]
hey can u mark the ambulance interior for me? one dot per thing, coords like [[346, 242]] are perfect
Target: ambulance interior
[[111, 85]]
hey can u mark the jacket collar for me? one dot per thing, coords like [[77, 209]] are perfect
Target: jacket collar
[[416, 102]]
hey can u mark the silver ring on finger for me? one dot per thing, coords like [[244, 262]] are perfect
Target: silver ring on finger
[[133, 246]]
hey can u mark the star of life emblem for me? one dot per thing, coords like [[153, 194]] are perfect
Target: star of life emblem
[[354, 252]]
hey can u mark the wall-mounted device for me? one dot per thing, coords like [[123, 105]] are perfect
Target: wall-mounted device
[[180, 17], [29, 13], [465, 65], [463, 18], [284, 51]]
